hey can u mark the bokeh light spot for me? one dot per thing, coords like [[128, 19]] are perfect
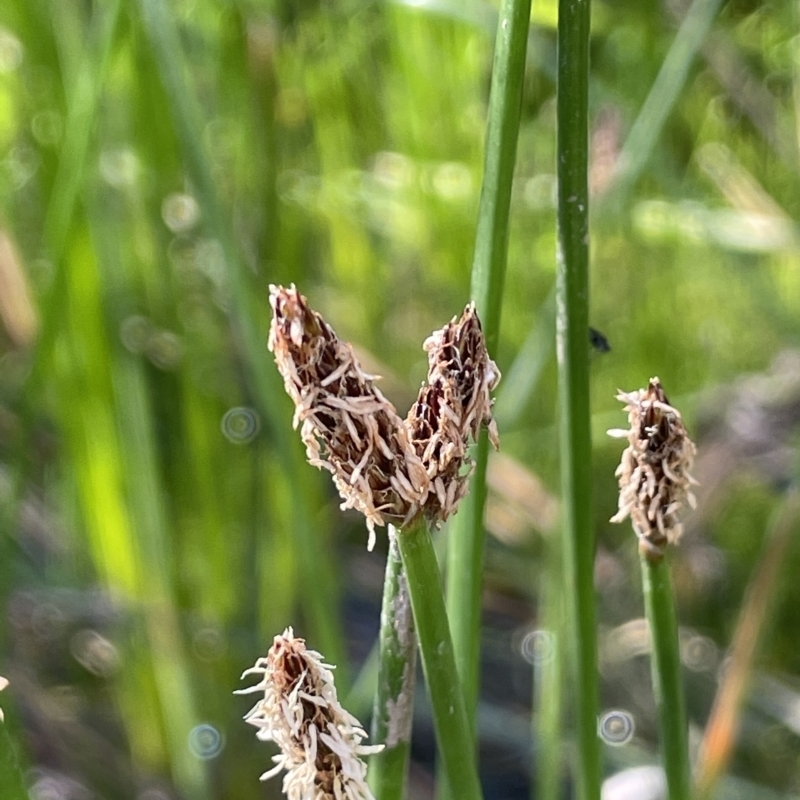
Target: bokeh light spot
[[240, 425], [538, 647], [616, 727], [205, 741]]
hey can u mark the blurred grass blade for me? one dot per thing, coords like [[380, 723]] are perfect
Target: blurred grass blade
[[163, 36], [173, 677], [519, 383], [393, 711], [11, 778], [751, 629], [663, 95], [548, 684], [83, 99], [465, 543], [572, 338], [108, 426]]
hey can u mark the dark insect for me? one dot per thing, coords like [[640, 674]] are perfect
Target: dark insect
[[598, 341]]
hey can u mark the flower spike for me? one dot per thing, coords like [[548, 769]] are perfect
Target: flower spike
[[320, 742], [654, 477], [452, 405], [347, 425], [392, 470]]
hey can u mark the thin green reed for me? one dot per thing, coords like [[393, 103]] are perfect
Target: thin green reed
[[572, 346], [465, 544], [85, 86], [453, 735], [663, 95], [548, 682], [666, 671]]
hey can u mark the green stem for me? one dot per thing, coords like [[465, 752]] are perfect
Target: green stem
[[453, 735], [572, 340], [394, 695], [548, 695], [465, 544], [666, 667], [505, 101], [11, 778]]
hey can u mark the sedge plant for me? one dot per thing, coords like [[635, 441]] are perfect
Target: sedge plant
[[408, 473], [655, 484]]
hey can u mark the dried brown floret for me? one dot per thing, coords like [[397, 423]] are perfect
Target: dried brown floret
[[347, 425], [654, 479], [320, 741], [451, 407]]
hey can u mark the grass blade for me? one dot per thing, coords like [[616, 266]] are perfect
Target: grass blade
[[548, 694], [83, 100], [572, 338], [465, 543], [163, 36], [663, 94], [11, 778]]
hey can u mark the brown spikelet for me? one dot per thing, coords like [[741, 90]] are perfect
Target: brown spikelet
[[451, 407], [347, 425], [654, 479], [392, 470], [319, 741]]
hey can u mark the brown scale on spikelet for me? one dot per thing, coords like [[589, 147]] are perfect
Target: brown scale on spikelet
[[389, 469], [452, 405], [654, 479]]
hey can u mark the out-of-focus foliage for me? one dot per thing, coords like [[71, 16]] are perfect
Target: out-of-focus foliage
[[163, 162]]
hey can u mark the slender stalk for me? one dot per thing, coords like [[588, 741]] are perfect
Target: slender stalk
[[548, 695], [453, 734], [394, 696], [11, 778], [465, 544], [666, 668], [572, 347]]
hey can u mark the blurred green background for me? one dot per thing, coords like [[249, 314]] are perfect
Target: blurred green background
[[162, 163]]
